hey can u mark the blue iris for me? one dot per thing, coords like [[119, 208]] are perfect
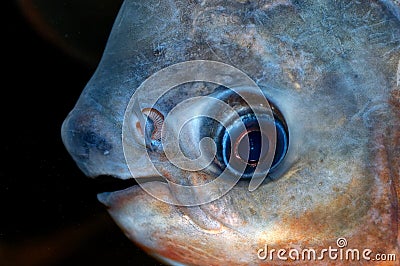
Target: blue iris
[[282, 143], [252, 153]]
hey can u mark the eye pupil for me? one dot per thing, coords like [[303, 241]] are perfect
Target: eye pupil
[[250, 146]]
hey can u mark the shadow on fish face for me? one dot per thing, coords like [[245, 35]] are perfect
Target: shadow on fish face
[[330, 68]]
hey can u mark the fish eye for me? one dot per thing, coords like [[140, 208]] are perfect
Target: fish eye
[[251, 146]]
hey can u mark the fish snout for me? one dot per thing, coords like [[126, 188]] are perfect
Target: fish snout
[[92, 141]]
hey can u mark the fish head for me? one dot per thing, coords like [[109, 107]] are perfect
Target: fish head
[[329, 72]]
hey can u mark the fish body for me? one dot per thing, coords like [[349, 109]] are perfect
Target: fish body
[[330, 67]]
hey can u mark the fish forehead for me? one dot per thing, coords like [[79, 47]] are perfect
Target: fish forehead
[[330, 67], [260, 38]]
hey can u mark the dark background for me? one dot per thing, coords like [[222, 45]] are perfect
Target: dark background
[[49, 211]]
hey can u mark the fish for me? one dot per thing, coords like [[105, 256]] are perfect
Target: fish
[[329, 73]]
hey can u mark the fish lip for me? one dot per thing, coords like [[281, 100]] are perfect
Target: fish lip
[[107, 184], [103, 197], [199, 218]]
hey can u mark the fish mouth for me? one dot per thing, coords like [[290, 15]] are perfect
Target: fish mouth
[[117, 192], [109, 183], [154, 225]]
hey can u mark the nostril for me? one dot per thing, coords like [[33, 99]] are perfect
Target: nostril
[[81, 139], [92, 140]]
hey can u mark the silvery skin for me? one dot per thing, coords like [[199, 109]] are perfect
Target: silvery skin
[[331, 69]]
